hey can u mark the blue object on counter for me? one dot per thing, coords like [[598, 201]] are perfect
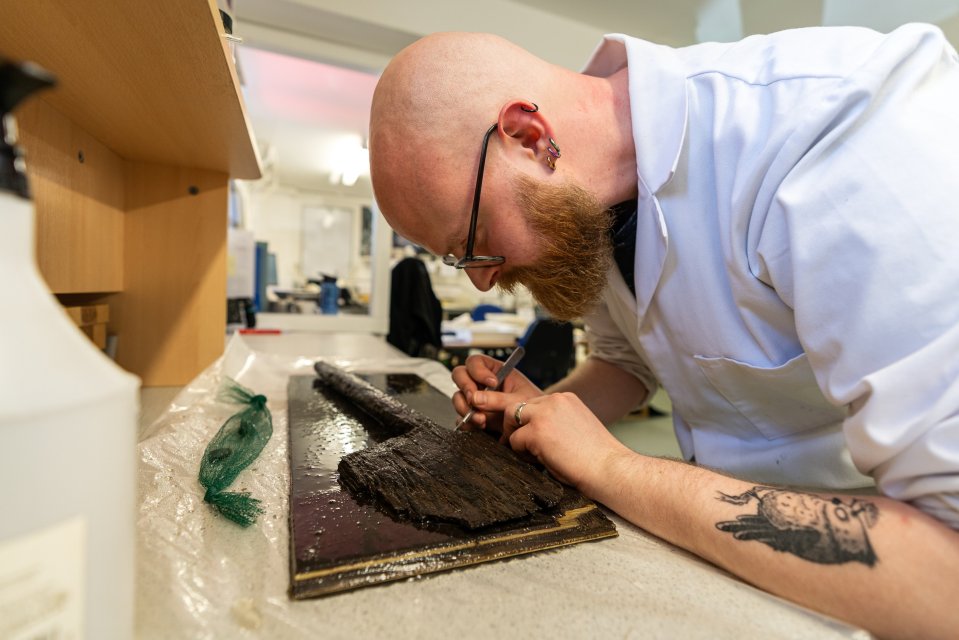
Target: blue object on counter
[[329, 296], [261, 275]]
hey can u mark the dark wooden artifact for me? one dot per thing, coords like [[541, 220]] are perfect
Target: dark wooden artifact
[[433, 473], [389, 411], [338, 542], [464, 478]]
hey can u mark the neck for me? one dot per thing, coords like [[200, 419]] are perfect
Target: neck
[[602, 156]]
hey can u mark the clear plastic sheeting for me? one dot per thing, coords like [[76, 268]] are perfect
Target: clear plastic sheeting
[[200, 576], [237, 444]]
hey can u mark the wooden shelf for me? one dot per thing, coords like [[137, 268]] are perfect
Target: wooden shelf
[[152, 80], [129, 160]]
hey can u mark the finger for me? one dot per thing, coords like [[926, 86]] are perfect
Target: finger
[[479, 420], [476, 421], [482, 369], [471, 425], [516, 416], [526, 444], [463, 380], [493, 401], [519, 441], [460, 404]]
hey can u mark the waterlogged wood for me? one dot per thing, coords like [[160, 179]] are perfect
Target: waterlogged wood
[[387, 410], [454, 476], [338, 543], [433, 473]]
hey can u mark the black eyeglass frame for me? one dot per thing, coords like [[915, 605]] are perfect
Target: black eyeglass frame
[[469, 261]]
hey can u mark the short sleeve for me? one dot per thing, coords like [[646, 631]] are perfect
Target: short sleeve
[[608, 343]]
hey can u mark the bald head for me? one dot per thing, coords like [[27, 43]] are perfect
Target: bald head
[[430, 109]]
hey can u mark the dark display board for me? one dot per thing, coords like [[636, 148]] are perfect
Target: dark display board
[[338, 544]]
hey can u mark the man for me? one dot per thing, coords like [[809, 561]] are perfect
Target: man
[[769, 229]]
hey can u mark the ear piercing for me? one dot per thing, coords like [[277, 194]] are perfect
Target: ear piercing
[[552, 154], [552, 151]]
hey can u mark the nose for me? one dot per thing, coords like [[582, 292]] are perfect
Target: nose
[[483, 279]]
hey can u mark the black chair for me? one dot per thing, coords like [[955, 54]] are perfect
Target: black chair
[[550, 352], [415, 311]]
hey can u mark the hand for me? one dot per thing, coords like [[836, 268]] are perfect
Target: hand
[[563, 434], [481, 370]]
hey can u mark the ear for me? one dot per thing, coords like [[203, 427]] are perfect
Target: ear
[[522, 121]]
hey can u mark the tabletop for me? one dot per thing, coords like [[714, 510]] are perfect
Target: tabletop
[[200, 576]]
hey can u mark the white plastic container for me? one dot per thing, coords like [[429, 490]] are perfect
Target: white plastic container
[[68, 423]]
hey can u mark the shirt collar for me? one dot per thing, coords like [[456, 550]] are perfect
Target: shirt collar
[[657, 93]]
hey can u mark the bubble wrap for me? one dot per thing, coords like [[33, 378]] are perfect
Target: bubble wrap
[[200, 576]]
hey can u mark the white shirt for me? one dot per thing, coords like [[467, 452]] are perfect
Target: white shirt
[[797, 255]]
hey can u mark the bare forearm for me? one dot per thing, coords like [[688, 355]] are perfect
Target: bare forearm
[[872, 561], [607, 390]]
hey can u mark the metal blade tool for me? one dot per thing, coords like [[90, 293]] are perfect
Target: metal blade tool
[[508, 366]]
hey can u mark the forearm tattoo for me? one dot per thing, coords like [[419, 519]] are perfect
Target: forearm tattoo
[[827, 531]]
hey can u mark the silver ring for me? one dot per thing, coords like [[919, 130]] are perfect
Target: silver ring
[[518, 414]]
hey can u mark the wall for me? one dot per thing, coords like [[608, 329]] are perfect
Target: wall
[[365, 34], [275, 218], [275, 215]]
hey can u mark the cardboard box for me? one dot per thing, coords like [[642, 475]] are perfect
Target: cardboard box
[[92, 320], [97, 333], [87, 315]]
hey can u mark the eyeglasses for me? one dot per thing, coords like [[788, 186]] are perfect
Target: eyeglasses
[[469, 261]]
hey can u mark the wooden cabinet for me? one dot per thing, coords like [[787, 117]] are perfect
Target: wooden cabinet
[[129, 159]]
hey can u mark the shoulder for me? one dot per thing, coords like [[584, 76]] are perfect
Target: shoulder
[[815, 52]]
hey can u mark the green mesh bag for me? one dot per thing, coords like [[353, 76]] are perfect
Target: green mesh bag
[[238, 442]]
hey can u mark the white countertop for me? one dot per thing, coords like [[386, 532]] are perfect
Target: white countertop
[[200, 576]]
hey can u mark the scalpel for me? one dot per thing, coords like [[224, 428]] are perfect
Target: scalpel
[[508, 366]]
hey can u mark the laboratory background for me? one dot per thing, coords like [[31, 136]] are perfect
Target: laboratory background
[[199, 213]]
